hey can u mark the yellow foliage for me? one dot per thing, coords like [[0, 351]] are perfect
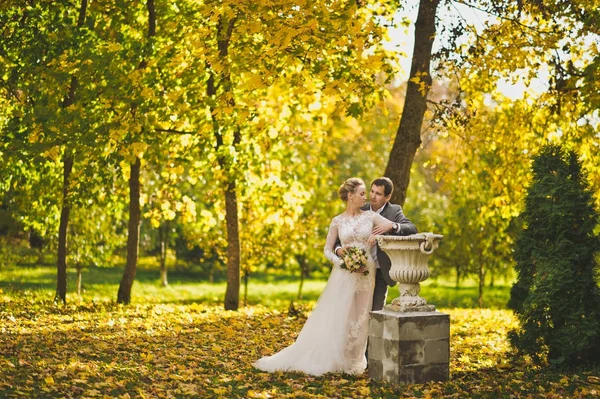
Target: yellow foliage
[[196, 350], [138, 149], [53, 153]]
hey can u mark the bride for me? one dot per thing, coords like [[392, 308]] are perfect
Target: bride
[[334, 337]]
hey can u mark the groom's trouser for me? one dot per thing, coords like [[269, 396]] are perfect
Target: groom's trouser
[[380, 293]]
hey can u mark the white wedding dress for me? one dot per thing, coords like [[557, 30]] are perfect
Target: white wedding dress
[[334, 337]]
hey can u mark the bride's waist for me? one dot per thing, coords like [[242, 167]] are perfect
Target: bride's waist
[[361, 246]]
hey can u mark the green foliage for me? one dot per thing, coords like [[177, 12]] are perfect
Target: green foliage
[[281, 86], [95, 234], [556, 296], [473, 199]]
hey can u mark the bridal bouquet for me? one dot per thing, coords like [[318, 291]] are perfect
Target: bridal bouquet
[[354, 259]]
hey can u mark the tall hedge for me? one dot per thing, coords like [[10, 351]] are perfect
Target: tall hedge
[[556, 296]]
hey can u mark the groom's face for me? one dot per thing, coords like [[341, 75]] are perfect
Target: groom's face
[[378, 197]]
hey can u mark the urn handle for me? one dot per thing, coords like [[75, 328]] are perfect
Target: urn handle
[[429, 245]]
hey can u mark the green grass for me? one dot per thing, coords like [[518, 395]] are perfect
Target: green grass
[[274, 291]]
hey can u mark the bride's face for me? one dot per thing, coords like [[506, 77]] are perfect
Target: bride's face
[[359, 197]]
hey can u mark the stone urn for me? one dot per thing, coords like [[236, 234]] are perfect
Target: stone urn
[[409, 255]]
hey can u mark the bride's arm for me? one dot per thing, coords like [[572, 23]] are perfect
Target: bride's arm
[[382, 225], [332, 236]]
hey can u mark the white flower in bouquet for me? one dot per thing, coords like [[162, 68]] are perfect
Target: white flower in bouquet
[[355, 259]]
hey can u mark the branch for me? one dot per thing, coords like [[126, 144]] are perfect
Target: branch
[[439, 104], [513, 20], [173, 131]]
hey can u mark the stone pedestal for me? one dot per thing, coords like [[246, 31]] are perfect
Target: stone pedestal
[[409, 347], [409, 341]]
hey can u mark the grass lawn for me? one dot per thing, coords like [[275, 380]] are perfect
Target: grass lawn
[[274, 291], [178, 342]]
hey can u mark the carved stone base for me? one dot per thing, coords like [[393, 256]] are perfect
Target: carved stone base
[[403, 308], [410, 303]]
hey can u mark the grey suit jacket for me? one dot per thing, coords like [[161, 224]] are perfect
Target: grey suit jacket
[[394, 213]]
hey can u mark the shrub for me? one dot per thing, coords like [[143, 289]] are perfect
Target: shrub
[[556, 297]]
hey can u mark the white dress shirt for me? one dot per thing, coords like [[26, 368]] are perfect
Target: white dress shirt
[[374, 247]]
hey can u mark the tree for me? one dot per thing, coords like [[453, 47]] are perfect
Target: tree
[[209, 86], [44, 49], [135, 213], [556, 296], [408, 136], [481, 189], [309, 49], [167, 195], [543, 47]]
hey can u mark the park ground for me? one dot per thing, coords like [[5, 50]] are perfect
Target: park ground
[[177, 342]]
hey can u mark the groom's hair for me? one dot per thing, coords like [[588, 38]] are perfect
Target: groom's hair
[[388, 186]]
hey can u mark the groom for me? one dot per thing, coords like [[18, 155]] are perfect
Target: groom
[[381, 192]]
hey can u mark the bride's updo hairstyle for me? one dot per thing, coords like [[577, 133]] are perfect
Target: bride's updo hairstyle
[[350, 186]]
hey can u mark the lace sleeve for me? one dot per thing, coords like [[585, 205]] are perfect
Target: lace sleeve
[[332, 236], [379, 220]]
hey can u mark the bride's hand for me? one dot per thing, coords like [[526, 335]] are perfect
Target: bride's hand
[[372, 240], [382, 228], [340, 251]]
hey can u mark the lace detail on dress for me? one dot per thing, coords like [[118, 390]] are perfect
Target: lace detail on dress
[[353, 232], [358, 326], [328, 250]]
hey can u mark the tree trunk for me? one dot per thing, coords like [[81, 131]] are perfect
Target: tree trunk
[[79, 279], [133, 229], [481, 284], [133, 234], [163, 234], [457, 286], [408, 136], [232, 294], [61, 263], [246, 275]]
